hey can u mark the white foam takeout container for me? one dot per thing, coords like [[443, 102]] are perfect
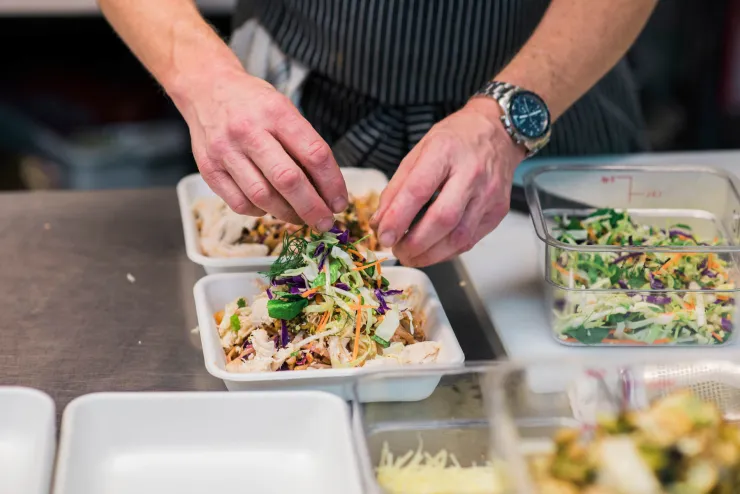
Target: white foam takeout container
[[213, 292], [191, 443], [359, 182], [27, 440]]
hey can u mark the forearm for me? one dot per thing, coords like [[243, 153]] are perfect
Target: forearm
[[574, 45], [173, 41]]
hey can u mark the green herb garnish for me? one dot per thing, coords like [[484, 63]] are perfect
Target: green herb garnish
[[291, 255], [241, 303], [281, 308], [380, 341], [236, 325]]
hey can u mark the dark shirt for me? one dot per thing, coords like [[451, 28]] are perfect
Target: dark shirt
[[384, 71]]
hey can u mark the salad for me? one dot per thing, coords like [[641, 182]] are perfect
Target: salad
[[652, 298], [679, 445], [327, 305], [224, 233]]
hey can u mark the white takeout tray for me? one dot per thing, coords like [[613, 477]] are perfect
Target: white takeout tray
[[360, 181], [193, 443], [213, 292], [27, 440]]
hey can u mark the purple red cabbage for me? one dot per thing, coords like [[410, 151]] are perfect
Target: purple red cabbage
[[388, 293], [296, 290], [729, 301], [335, 230], [655, 283], [284, 338], [302, 361], [677, 233], [319, 249], [323, 259], [726, 324], [381, 300], [343, 237], [658, 299], [560, 304], [702, 265], [342, 286], [269, 293], [626, 256], [298, 281], [622, 284], [708, 272]]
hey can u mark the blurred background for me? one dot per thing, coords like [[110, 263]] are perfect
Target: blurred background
[[78, 111]]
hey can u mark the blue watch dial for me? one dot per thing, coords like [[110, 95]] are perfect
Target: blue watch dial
[[529, 114]]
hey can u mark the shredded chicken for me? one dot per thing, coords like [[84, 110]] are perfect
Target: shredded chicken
[[224, 233]]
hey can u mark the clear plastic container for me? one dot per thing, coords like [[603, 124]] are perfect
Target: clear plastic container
[[638, 255], [454, 420], [591, 389]]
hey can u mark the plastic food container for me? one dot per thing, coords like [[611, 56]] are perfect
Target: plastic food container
[[359, 182], [27, 440], [191, 443], [453, 421], [531, 419], [213, 292], [669, 277]]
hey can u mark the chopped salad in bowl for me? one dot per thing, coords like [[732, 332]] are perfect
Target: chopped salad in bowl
[[325, 305], [224, 233], [679, 445], [638, 296]]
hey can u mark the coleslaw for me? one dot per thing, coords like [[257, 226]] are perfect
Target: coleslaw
[[327, 305], [638, 297]]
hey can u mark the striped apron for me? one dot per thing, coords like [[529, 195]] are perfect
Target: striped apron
[[373, 76]]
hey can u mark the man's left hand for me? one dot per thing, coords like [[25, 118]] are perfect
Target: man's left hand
[[470, 159]]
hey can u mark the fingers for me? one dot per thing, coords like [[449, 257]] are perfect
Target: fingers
[[289, 180], [444, 215], [309, 149], [257, 189], [463, 238], [410, 195], [399, 178]]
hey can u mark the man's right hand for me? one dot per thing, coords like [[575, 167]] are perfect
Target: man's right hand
[[256, 151], [253, 147]]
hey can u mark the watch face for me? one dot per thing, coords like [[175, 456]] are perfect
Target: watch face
[[529, 114]]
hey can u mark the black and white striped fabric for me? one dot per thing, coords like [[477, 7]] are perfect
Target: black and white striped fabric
[[382, 72]]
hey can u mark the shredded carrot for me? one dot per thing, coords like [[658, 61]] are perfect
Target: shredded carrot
[[564, 272], [319, 298], [717, 337], [309, 358], [723, 297], [591, 234], [374, 263], [689, 306], [353, 251], [670, 262], [662, 341], [358, 327], [622, 342], [310, 292], [380, 275], [324, 320]]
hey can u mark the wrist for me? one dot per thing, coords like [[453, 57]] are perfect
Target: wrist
[[492, 112]]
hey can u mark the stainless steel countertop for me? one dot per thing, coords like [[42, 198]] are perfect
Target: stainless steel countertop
[[72, 323]]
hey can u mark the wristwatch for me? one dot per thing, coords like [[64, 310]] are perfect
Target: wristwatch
[[525, 115]]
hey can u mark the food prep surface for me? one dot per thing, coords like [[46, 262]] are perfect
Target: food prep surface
[[98, 296]]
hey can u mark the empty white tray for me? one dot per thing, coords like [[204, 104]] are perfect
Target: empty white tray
[[360, 181], [27, 440], [213, 292], [196, 443]]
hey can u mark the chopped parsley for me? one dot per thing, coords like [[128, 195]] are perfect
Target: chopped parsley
[[241, 303], [236, 325]]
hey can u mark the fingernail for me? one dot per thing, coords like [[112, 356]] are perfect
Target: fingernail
[[387, 239], [339, 204], [374, 218], [325, 224]]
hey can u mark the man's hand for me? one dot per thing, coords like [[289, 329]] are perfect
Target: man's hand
[[470, 159], [259, 154], [251, 144]]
